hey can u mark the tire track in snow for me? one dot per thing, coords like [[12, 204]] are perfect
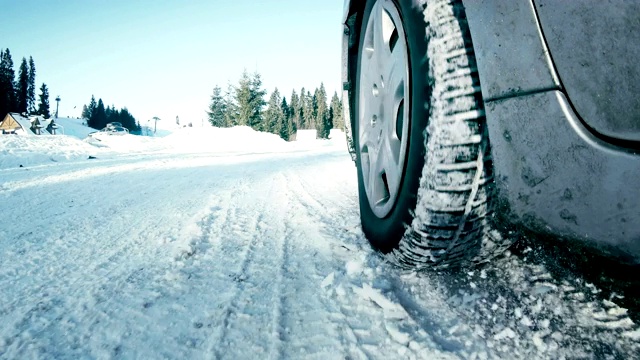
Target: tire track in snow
[[239, 277], [141, 278], [356, 331], [395, 323], [349, 341], [284, 253], [61, 279], [278, 295], [247, 231], [105, 270]]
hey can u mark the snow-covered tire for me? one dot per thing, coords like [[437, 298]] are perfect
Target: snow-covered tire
[[442, 211]]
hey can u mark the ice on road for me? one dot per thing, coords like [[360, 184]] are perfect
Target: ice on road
[[249, 255]]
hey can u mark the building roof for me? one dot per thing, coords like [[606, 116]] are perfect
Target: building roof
[[24, 122]]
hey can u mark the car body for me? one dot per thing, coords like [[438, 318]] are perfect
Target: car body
[[560, 83], [116, 130], [110, 129]]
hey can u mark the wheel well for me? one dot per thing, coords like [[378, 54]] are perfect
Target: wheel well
[[352, 28]]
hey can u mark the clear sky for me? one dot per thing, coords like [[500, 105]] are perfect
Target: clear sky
[[163, 58]]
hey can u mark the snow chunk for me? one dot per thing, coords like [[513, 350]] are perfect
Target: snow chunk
[[633, 335], [328, 280], [526, 321], [396, 334], [354, 267], [506, 333], [391, 309]]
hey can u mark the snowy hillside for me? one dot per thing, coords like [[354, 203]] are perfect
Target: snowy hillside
[[74, 127]]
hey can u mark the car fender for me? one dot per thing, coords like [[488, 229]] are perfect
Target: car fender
[[510, 50]]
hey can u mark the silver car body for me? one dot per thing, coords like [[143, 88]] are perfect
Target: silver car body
[[560, 82]]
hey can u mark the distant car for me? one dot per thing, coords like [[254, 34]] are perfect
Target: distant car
[[116, 130], [110, 130], [469, 117], [114, 125]]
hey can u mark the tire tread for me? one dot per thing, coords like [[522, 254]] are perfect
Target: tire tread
[[452, 224]]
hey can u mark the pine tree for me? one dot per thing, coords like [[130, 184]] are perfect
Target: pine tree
[[307, 110], [286, 127], [7, 89], [274, 114], [91, 111], [22, 88], [111, 114], [302, 123], [250, 101], [285, 107], [336, 109], [100, 115], [217, 108], [256, 120], [243, 99], [314, 110], [323, 119], [85, 112], [231, 107], [43, 107], [31, 89], [294, 109], [126, 119]]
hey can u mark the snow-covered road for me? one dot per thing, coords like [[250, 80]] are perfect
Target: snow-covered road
[[257, 255]]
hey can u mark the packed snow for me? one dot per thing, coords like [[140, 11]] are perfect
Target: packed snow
[[234, 244]]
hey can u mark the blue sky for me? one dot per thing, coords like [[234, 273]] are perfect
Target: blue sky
[[163, 58]]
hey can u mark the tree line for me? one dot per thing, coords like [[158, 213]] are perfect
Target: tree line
[[98, 116], [19, 95], [244, 104]]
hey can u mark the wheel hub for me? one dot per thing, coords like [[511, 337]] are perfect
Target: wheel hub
[[383, 116]]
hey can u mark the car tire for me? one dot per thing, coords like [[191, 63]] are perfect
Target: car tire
[[439, 210]]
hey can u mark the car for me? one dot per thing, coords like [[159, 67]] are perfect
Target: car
[[110, 129], [116, 130], [473, 121], [114, 125]]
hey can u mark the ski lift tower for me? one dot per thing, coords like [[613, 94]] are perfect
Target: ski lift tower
[[57, 105], [155, 124]]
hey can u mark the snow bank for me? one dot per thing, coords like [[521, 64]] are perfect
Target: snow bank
[[225, 140], [337, 134], [16, 150], [306, 135], [194, 140], [35, 150], [125, 143]]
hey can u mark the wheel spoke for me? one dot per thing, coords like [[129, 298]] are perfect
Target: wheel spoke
[[376, 186], [397, 73], [392, 168], [383, 27]]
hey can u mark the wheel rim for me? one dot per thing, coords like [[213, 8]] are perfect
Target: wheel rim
[[383, 116]]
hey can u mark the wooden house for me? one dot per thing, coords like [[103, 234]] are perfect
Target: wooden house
[[14, 123]]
